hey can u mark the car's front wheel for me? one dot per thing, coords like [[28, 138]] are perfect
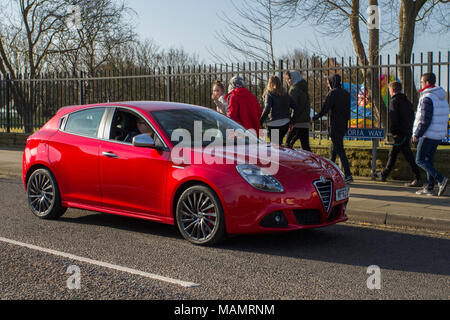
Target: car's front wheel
[[199, 216], [43, 195]]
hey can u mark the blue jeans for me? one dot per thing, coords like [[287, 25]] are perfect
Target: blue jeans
[[426, 149]]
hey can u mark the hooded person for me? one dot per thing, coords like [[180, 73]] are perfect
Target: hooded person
[[298, 90], [337, 103], [243, 107]]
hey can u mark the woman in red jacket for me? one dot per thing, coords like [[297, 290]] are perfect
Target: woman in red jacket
[[244, 108]]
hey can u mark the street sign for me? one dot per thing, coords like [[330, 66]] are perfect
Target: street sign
[[373, 134], [366, 133]]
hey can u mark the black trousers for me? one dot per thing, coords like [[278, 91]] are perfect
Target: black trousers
[[281, 133], [299, 133], [337, 149], [403, 145]]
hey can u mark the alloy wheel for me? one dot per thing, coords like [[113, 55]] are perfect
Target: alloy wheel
[[199, 216], [43, 195]]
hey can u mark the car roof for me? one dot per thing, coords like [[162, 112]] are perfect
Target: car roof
[[138, 105]]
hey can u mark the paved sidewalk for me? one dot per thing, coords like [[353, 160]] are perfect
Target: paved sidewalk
[[387, 203], [393, 204], [11, 162]]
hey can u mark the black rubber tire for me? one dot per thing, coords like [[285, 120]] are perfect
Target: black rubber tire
[[218, 231], [42, 181]]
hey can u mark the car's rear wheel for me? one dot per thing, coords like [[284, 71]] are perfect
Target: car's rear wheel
[[199, 216], [43, 195]]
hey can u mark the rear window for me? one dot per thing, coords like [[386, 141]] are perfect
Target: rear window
[[85, 122]]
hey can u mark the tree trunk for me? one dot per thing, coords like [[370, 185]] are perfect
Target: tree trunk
[[372, 59], [374, 74], [407, 17]]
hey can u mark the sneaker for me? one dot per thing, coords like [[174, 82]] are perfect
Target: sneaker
[[425, 192], [348, 179], [442, 187], [379, 175], [415, 184]]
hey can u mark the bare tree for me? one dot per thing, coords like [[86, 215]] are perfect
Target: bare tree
[[411, 14], [252, 35], [104, 26], [177, 57], [27, 41], [337, 16], [31, 33], [299, 57], [334, 17]]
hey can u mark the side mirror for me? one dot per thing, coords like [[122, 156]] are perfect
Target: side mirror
[[144, 141]]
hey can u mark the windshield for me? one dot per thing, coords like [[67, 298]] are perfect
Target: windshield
[[202, 127]]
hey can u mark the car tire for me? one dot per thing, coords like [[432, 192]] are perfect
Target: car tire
[[43, 194], [200, 217]]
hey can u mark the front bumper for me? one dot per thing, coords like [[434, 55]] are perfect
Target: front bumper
[[250, 211]]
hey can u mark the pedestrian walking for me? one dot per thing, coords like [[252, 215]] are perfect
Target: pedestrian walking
[[243, 107], [337, 103], [277, 108], [430, 128], [298, 90], [401, 119], [218, 96]]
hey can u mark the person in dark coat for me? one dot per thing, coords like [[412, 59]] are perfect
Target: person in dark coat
[[298, 90], [337, 103], [401, 116], [278, 105]]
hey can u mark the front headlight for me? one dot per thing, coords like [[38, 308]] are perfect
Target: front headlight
[[258, 178]]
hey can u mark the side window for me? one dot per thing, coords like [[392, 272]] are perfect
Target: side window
[[126, 125], [85, 122], [123, 126]]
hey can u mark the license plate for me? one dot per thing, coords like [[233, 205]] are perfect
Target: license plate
[[342, 194]]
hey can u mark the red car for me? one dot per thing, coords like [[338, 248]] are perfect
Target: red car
[[129, 159]]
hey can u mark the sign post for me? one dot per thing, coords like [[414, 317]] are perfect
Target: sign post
[[373, 134]]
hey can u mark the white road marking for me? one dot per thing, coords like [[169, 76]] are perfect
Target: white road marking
[[101, 264]]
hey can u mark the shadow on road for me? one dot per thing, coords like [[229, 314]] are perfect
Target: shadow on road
[[342, 244], [351, 245], [121, 223]]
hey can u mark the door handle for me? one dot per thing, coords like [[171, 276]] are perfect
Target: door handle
[[110, 155]]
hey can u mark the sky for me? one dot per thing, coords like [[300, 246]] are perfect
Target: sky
[[192, 24]]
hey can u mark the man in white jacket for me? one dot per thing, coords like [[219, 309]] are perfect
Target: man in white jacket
[[430, 128]]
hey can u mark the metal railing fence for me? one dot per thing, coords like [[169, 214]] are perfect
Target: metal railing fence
[[26, 104]]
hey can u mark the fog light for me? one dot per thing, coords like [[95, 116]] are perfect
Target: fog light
[[274, 220]]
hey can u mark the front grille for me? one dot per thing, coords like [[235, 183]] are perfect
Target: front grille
[[307, 217], [325, 189], [335, 213]]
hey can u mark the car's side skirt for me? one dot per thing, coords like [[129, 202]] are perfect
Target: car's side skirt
[[165, 219]]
